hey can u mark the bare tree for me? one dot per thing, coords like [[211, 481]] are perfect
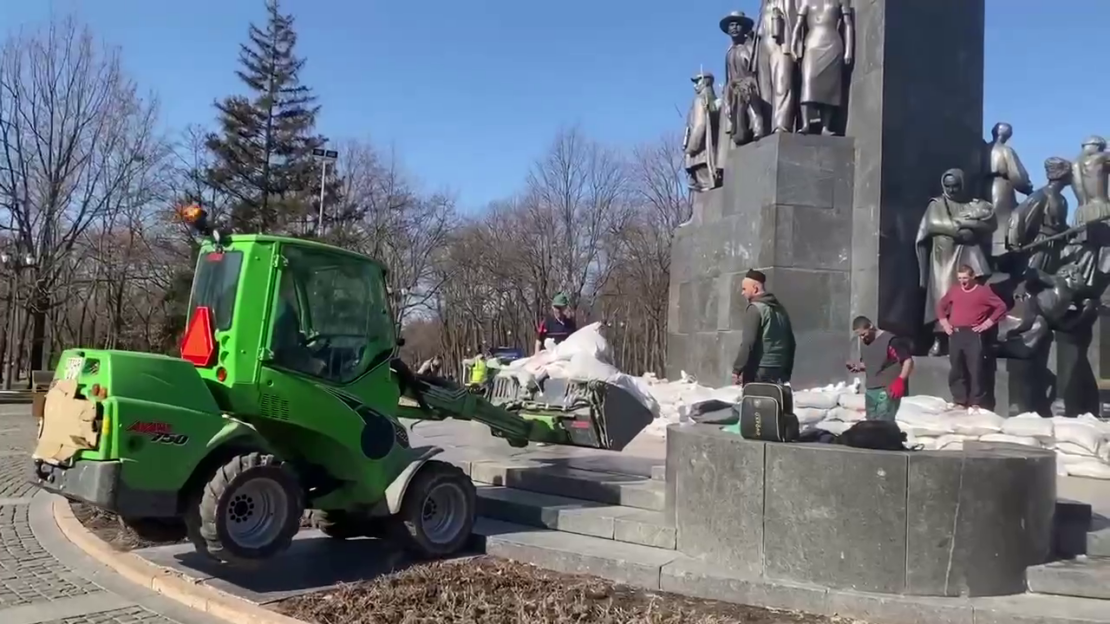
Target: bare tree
[[576, 205], [383, 214], [76, 138]]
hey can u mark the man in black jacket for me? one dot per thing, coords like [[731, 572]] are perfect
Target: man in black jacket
[[767, 346]]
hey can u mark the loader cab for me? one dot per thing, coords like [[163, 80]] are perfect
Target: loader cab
[[264, 308], [330, 318]]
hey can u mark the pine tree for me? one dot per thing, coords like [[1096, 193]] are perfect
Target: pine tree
[[263, 152]]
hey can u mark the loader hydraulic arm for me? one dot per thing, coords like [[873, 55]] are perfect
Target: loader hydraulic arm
[[584, 413], [441, 403]]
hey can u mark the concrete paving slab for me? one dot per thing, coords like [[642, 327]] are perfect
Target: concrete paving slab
[[548, 511], [551, 476], [647, 528], [575, 554], [689, 577], [314, 562], [1085, 577], [1039, 609]]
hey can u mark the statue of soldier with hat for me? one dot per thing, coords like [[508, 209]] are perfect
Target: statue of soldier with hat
[[743, 117]]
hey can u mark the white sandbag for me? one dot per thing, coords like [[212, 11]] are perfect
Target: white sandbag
[[1091, 469], [927, 443], [924, 423], [851, 401], [815, 399], [1073, 449], [730, 394], [833, 426], [1070, 458], [1011, 439], [953, 441], [924, 403], [844, 414], [924, 431], [810, 415], [1078, 432], [1030, 425], [1101, 425], [586, 341], [974, 423]]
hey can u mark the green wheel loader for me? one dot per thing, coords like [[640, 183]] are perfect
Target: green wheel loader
[[288, 396]]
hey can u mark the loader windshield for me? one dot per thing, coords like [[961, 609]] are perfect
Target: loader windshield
[[215, 284], [331, 318]]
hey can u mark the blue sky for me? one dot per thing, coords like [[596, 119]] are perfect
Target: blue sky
[[470, 93]]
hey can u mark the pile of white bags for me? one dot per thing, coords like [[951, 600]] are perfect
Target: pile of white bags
[[1082, 445], [583, 355]]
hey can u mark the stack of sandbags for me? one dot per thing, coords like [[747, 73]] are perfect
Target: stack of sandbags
[[680, 401], [1082, 446]]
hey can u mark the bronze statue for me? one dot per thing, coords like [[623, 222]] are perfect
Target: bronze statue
[[702, 126], [1090, 172], [1089, 249], [743, 118], [955, 230], [775, 62], [1034, 316], [1044, 214], [1007, 177], [824, 40]]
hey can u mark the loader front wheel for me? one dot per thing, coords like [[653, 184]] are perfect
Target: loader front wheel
[[437, 512], [249, 510]]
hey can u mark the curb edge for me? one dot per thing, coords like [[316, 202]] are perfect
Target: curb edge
[[192, 594]]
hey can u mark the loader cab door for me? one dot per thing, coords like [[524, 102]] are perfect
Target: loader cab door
[[330, 319]]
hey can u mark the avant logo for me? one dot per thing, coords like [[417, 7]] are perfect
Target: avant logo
[[159, 433]]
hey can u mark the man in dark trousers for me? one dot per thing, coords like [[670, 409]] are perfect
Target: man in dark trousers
[[888, 362], [558, 325], [767, 344], [966, 313]]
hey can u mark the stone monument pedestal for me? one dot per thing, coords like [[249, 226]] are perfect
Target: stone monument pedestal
[[942, 523], [785, 209]]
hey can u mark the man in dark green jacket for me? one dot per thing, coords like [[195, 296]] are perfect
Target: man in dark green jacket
[[767, 346]]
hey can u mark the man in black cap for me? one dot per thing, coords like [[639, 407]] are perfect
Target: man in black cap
[[767, 346]]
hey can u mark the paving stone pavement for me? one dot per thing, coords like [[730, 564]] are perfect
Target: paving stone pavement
[[44, 579]]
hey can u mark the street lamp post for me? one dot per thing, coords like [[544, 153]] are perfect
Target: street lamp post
[[13, 265], [324, 157]]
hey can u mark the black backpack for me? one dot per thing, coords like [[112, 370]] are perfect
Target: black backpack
[[878, 435], [767, 413]]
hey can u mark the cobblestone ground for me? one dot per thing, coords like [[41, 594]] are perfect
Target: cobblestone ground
[[36, 586]]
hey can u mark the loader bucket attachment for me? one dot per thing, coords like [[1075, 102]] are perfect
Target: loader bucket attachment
[[593, 413]]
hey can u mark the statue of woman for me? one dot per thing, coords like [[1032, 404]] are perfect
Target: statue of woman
[[824, 52]]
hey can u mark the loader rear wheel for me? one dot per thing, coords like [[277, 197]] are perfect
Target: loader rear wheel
[[437, 512], [249, 510]]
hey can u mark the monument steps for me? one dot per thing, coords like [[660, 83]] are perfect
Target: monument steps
[[556, 478], [667, 570], [574, 515], [1084, 577]]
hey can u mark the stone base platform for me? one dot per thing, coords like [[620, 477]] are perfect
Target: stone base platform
[[923, 523]]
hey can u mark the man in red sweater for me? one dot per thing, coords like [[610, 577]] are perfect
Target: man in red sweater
[[966, 312]]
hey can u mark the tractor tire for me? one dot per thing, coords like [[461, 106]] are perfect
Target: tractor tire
[[156, 530], [249, 510], [438, 511], [338, 524]]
